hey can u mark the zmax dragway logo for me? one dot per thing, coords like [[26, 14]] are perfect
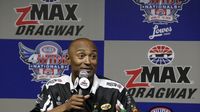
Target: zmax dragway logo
[[36, 19], [150, 81], [46, 61]]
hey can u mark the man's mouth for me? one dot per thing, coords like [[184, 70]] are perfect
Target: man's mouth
[[86, 69]]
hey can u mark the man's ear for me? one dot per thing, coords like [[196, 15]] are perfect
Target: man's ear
[[68, 59]]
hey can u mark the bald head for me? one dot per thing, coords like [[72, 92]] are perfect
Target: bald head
[[80, 42]]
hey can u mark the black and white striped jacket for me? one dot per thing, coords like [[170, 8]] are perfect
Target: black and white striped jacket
[[104, 95]]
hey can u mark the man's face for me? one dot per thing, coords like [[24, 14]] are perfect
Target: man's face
[[83, 56]]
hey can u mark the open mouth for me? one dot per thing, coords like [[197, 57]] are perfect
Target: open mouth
[[88, 70], [85, 72]]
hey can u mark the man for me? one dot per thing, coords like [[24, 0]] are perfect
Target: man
[[102, 95]]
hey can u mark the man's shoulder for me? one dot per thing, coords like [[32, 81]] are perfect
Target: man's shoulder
[[108, 83], [60, 80]]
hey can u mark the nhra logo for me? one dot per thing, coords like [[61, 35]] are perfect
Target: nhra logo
[[160, 11], [161, 55], [46, 61], [160, 109], [50, 1]]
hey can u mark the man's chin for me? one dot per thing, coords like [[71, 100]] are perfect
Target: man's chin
[[90, 74]]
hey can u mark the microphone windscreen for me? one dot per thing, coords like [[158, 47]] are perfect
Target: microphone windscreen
[[83, 73]]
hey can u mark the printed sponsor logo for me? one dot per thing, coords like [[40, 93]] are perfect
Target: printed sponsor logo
[[53, 81], [37, 18], [161, 55], [148, 81], [158, 32], [106, 106], [50, 1], [46, 61], [58, 102], [114, 84], [160, 12], [84, 83], [160, 109]]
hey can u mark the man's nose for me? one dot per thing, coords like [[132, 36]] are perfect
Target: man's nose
[[87, 60]]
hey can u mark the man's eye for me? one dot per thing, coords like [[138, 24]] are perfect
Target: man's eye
[[81, 56], [94, 56]]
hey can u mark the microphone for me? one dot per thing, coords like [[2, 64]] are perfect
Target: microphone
[[84, 83]]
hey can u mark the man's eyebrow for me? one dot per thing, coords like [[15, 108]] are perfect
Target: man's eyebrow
[[80, 50], [94, 50]]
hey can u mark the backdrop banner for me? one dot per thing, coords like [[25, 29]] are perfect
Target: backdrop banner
[[150, 46]]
